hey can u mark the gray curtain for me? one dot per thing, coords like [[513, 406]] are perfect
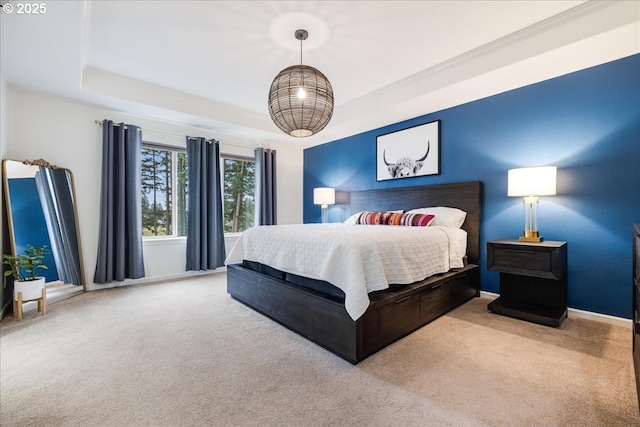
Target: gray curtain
[[120, 238], [265, 163], [56, 198], [205, 222]]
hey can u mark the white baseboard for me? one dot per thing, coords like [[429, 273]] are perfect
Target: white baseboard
[[490, 295], [605, 318], [55, 295], [155, 279], [580, 314]]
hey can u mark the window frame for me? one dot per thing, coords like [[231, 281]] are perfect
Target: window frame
[[239, 157], [174, 183], [174, 194]]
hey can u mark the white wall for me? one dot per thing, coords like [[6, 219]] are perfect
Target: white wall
[[289, 170], [65, 134]]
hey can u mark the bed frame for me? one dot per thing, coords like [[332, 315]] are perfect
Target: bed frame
[[392, 314]]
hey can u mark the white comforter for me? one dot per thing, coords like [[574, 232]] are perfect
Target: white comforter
[[355, 258]]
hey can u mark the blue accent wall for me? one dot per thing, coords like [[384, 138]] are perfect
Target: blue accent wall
[[586, 123], [28, 222]]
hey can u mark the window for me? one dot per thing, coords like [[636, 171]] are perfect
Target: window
[[238, 193], [164, 191]]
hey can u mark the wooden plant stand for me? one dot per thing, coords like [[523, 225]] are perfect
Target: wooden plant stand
[[17, 304]]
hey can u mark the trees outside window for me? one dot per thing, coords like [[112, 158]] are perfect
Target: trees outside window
[[164, 192], [238, 195]]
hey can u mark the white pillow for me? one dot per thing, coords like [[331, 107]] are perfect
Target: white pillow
[[353, 219], [445, 216]]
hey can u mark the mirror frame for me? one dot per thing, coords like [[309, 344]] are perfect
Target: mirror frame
[[8, 210]]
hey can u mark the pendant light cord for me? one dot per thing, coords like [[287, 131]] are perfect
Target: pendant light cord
[[302, 73]]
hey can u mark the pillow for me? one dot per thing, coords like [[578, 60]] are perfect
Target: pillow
[[394, 218], [379, 218], [445, 216], [353, 219], [417, 220]]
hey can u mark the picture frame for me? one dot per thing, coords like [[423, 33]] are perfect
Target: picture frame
[[409, 152]]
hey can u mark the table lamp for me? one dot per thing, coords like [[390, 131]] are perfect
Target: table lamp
[[324, 196], [530, 184]]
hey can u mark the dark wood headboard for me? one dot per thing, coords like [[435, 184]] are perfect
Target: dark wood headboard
[[462, 195]]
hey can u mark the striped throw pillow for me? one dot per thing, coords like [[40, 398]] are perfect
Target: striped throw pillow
[[417, 220], [394, 218]]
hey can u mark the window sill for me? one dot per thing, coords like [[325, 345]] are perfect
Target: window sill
[[232, 234], [156, 241]]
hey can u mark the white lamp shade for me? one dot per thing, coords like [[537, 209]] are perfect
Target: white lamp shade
[[324, 196], [539, 181]]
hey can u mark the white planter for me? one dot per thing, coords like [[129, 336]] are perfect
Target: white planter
[[30, 290]]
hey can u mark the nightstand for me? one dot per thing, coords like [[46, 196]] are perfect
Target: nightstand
[[533, 280]]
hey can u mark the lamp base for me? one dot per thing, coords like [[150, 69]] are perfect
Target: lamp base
[[324, 214], [531, 239], [531, 236]]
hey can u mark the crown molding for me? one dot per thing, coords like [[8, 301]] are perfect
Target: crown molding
[[588, 19]]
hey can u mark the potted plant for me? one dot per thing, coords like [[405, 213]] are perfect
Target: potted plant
[[23, 269]]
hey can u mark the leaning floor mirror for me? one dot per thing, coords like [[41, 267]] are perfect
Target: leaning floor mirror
[[41, 210]]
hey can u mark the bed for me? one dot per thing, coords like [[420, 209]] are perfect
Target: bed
[[355, 324]]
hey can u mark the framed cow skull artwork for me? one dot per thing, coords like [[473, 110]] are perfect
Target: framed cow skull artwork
[[410, 152]]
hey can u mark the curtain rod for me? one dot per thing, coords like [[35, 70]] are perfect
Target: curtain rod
[[99, 122]]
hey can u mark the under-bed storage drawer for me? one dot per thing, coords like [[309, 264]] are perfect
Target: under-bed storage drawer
[[399, 315], [434, 302], [463, 288]]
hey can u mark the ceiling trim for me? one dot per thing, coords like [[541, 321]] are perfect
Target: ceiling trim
[[588, 19], [116, 85]]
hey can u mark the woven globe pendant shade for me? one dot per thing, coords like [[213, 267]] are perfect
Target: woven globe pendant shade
[[301, 99]]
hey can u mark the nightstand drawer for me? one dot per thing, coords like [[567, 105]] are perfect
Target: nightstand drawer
[[545, 260], [507, 259]]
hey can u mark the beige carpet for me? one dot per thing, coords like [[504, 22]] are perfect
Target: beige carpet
[[185, 353]]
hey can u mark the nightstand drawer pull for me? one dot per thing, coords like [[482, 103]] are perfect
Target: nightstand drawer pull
[[519, 251]]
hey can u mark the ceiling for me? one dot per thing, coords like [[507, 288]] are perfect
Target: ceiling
[[209, 64]]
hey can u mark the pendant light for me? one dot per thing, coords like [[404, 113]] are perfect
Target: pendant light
[[301, 98]]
